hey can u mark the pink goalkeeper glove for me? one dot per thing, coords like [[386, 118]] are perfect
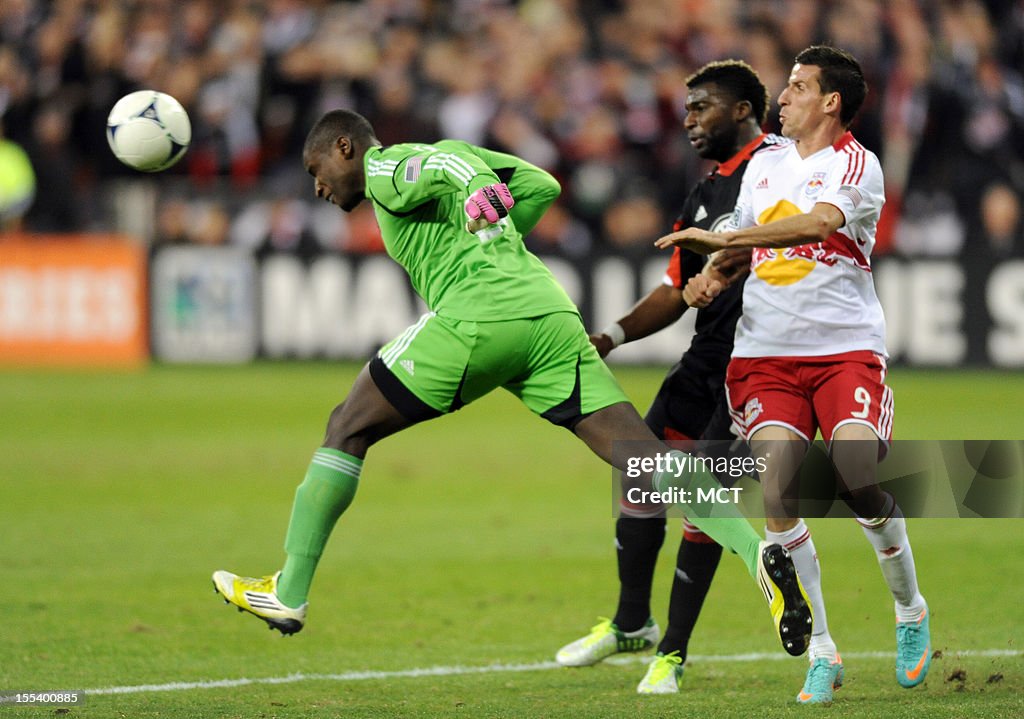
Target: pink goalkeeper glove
[[491, 202]]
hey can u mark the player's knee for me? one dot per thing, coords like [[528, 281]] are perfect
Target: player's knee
[[346, 433], [867, 501]]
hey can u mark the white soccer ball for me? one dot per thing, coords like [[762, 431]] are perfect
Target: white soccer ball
[[148, 130]]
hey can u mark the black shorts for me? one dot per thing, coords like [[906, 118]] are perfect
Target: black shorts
[[691, 405], [691, 402]]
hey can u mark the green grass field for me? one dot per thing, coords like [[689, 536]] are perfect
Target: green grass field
[[478, 544]]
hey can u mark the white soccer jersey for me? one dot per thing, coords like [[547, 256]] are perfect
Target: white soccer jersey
[[815, 299]]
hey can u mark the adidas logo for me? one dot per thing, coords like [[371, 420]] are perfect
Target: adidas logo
[[701, 214], [408, 366], [762, 185]]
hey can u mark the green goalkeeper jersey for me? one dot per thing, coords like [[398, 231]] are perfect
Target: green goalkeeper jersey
[[418, 192]]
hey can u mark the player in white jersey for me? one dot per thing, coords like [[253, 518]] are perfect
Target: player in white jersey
[[810, 351], [818, 298]]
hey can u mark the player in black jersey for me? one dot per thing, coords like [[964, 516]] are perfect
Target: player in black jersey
[[725, 107]]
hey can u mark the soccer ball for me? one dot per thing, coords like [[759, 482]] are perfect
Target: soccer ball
[[148, 130]]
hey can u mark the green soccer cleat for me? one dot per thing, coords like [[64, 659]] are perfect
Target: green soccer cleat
[[913, 650], [606, 639], [823, 678], [664, 674], [791, 610], [258, 595]]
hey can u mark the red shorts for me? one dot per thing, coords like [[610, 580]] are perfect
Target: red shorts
[[805, 394]]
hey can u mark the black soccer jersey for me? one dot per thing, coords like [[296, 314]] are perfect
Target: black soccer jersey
[[709, 206]]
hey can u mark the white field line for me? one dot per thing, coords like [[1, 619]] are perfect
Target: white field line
[[456, 670]]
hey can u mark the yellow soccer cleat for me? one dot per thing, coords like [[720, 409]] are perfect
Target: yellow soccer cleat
[[791, 610], [663, 675], [258, 595], [606, 639]]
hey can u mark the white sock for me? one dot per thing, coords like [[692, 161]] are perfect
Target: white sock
[[888, 535], [801, 547]]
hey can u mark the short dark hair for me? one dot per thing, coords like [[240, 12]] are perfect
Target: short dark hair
[[336, 123], [738, 79], [840, 72]]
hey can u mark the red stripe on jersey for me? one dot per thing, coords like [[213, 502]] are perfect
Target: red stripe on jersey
[[746, 152], [854, 164], [843, 141], [840, 244], [861, 158], [675, 269]]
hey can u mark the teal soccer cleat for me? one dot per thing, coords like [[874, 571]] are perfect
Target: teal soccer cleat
[[913, 650], [823, 678]]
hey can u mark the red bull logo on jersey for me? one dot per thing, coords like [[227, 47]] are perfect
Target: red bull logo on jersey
[[815, 184], [789, 266], [781, 267]]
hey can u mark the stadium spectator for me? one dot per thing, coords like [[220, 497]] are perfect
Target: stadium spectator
[[1001, 220], [57, 207], [559, 233], [201, 222], [172, 222], [545, 77]]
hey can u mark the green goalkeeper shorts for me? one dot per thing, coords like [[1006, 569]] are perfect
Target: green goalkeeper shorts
[[440, 364]]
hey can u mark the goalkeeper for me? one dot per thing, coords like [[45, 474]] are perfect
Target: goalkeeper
[[454, 215]]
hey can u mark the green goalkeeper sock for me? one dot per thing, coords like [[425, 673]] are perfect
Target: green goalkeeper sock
[[733, 533], [323, 496], [723, 521]]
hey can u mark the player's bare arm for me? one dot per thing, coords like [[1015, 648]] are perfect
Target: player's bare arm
[[703, 242], [666, 304], [661, 307], [814, 226]]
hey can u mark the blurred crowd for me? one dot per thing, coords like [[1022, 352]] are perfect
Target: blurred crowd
[[592, 90]]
